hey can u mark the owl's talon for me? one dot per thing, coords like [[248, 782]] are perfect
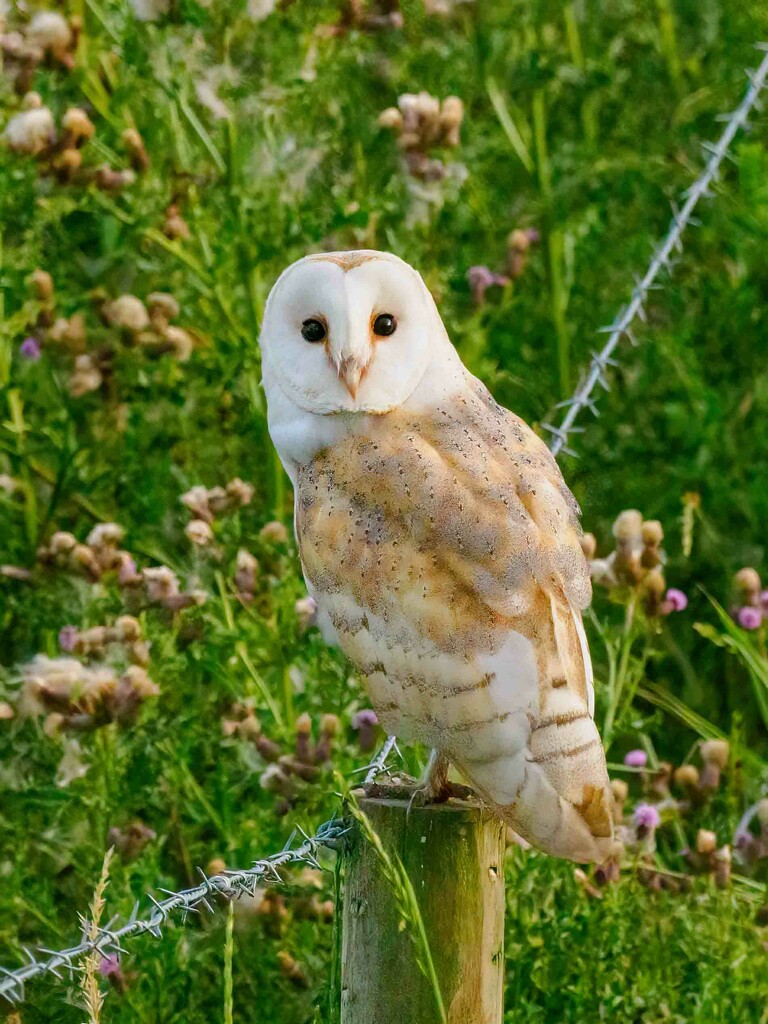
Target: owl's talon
[[426, 794]]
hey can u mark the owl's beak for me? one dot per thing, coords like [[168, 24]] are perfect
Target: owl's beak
[[351, 370]]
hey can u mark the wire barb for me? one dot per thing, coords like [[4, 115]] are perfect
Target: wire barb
[[661, 260]]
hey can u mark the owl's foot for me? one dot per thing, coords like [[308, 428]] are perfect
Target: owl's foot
[[433, 787]]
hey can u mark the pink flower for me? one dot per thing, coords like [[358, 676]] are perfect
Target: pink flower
[[365, 717], [109, 964], [676, 599], [764, 601], [68, 638], [749, 617], [480, 279], [646, 816], [636, 759], [30, 349]]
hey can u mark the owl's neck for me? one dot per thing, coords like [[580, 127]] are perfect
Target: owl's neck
[[298, 435]]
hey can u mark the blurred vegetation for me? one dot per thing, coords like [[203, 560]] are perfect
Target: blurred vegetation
[[583, 120]]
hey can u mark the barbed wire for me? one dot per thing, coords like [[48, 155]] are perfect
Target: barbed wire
[[229, 885], [661, 260], [234, 884]]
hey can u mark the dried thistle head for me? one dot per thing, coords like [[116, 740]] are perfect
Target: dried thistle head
[[246, 573], [134, 143], [41, 283], [199, 533], [110, 180], [748, 583], [32, 130], [179, 341], [652, 533], [161, 583], [274, 533], [127, 629], [62, 543], [50, 32], [240, 491], [306, 611], [127, 313], [628, 526], [77, 126], [715, 752], [174, 225], [86, 376], [162, 307], [687, 776], [71, 332], [588, 545], [620, 791], [196, 500], [653, 587], [105, 535], [706, 841]]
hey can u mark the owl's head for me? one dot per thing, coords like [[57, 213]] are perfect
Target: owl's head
[[349, 332]]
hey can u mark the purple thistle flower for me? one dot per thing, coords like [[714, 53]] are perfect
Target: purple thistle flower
[[676, 599], [109, 964], [30, 349], [636, 759], [366, 717], [480, 279], [646, 816], [68, 638], [749, 617]]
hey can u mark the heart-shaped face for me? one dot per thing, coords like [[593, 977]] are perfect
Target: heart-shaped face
[[349, 332]]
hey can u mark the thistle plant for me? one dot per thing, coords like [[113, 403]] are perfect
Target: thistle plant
[[633, 576]]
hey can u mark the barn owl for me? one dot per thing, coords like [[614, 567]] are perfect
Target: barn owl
[[440, 542]]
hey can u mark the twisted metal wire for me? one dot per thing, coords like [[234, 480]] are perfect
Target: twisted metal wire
[[662, 259], [229, 885]]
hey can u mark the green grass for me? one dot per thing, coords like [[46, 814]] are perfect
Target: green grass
[[582, 121]]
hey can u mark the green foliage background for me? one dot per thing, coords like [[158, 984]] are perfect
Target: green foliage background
[[612, 99]]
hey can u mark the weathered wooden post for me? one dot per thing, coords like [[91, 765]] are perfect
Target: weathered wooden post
[[453, 854]]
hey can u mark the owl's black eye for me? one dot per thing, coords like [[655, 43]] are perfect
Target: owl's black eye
[[384, 324], [313, 330]]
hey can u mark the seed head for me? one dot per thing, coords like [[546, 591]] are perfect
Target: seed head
[[199, 533], [628, 525], [49, 30], [127, 313], [687, 776], [77, 124], [706, 841], [274, 533], [31, 131], [715, 752], [42, 284]]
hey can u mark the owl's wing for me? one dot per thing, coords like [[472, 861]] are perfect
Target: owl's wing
[[443, 548]]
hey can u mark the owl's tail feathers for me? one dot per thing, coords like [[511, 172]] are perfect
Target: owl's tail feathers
[[554, 794]]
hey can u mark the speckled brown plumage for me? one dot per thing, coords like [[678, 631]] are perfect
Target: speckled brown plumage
[[431, 539]]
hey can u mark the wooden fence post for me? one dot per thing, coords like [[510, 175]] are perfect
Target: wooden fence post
[[453, 854]]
